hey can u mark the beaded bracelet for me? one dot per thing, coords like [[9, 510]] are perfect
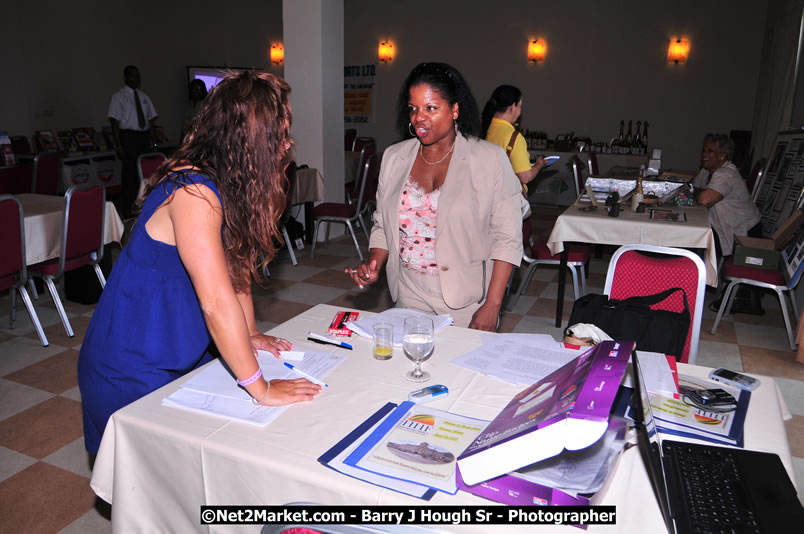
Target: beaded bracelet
[[250, 380], [259, 402]]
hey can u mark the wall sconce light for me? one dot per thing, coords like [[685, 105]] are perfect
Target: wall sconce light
[[678, 51], [277, 54], [536, 50], [386, 52]]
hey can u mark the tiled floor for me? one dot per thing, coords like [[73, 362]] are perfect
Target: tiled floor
[[44, 471]]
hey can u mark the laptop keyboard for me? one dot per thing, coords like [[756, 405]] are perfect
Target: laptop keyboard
[[712, 488]]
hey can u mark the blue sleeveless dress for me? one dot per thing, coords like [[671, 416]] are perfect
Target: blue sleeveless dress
[[147, 329]]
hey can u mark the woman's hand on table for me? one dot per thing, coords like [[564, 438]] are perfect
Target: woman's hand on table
[[284, 392], [485, 318], [269, 343], [365, 273]]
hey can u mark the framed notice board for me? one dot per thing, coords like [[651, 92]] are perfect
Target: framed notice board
[[780, 191]]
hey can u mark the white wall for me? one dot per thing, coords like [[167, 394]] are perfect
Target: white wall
[[606, 61], [63, 60]]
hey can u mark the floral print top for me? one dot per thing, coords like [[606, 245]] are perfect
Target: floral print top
[[418, 213]]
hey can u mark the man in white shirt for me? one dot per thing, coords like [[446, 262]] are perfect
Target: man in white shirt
[[133, 119]]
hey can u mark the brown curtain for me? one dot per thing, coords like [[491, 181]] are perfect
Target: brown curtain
[[777, 75]]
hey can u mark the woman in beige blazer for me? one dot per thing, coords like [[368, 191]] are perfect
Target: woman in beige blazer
[[447, 207]]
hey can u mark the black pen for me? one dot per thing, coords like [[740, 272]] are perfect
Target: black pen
[[326, 341]]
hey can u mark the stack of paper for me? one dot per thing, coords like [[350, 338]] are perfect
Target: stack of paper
[[413, 449], [396, 317], [214, 390], [517, 358]]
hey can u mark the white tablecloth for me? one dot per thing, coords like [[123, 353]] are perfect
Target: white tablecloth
[[597, 227], [158, 465], [309, 187], [44, 219]]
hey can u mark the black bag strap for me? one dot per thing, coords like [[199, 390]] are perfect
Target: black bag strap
[[659, 297]]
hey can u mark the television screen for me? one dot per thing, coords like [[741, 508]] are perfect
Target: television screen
[[211, 76]]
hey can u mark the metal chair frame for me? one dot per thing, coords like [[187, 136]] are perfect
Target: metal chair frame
[[96, 256], [19, 285], [780, 290], [357, 217]]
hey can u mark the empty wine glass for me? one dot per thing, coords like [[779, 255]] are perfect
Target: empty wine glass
[[418, 340]]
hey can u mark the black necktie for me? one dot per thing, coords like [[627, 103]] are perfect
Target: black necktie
[[140, 114]]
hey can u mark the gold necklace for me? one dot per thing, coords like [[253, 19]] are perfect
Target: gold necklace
[[421, 153]]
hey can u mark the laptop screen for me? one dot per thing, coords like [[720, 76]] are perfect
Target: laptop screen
[[648, 441]]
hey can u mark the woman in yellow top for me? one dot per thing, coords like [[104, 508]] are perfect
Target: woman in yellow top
[[500, 114]]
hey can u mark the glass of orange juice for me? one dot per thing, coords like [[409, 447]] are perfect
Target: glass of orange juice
[[383, 341]]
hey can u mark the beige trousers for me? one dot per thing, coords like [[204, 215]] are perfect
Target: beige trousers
[[422, 292]]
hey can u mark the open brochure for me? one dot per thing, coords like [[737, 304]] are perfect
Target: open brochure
[[418, 444], [395, 317]]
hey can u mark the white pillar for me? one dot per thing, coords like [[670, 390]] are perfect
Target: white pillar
[[313, 40]]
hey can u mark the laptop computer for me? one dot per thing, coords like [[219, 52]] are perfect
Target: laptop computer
[[711, 489]]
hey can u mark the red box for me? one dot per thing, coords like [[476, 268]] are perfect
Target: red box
[[338, 325]]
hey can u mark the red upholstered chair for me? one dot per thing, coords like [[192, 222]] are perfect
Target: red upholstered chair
[[756, 178], [594, 170], [147, 164], [349, 136], [577, 172], [13, 272], [46, 173], [335, 212], [536, 253], [81, 242], [20, 144], [353, 188], [752, 276], [637, 270]]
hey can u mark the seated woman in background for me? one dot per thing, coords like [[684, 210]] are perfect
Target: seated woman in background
[[720, 188], [499, 120], [182, 284], [448, 220]]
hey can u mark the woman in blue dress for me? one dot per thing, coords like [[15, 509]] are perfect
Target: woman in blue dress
[[182, 284]]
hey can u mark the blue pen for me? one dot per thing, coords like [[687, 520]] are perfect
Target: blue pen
[[321, 339], [311, 378]]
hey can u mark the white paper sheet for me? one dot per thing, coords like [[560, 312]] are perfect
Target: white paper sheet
[[517, 358], [395, 317], [215, 392], [225, 407], [659, 377]]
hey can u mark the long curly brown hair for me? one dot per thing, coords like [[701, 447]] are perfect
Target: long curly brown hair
[[241, 140]]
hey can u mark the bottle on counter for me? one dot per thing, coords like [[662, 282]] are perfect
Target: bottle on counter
[[639, 195], [637, 146], [645, 136], [618, 142], [628, 139]]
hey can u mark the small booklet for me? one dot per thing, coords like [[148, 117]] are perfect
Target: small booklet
[[675, 416], [334, 458], [418, 444], [667, 215], [395, 317]]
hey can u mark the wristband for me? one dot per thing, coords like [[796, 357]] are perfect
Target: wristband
[[250, 380], [268, 390]]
